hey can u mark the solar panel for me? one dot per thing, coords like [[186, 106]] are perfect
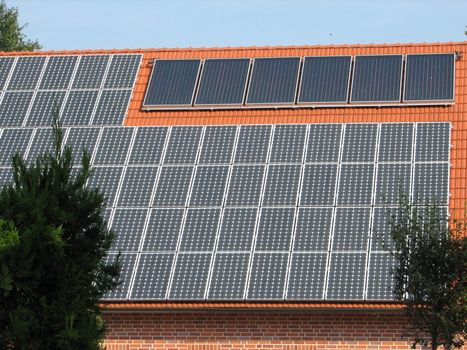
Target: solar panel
[[359, 143], [380, 280], [273, 80], [43, 143], [122, 71], [26, 73], [107, 180], [90, 72], [313, 229], [352, 229], [45, 104], [172, 83], [148, 145], [79, 107], [267, 279], [163, 230], [346, 276], [325, 79], [282, 185], [137, 187], [190, 276], [237, 229], [6, 177], [113, 146], [199, 232], [253, 144], [395, 143], [377, 79], [245, 185], [183, 145], [431, 183], [288, 142], [128, 224], [58, 72], [80, 139], [127, 262], [152, 276], [229, 275], [429, 77], [13, 141], [393, 180], [223, 81], [172, 188], [319, 184], [5, 67], [275, 229], [218, 145], [432, 142], [209, 186], [323, 143], [307, 276], [14, 107], [111, 108], [355, 184]]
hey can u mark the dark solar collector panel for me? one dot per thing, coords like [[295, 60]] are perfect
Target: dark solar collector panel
[[223, 82]]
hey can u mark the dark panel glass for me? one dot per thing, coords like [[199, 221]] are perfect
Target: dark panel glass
[[190, 276], [267, 279], [432, 142], [173, 185], [218, 143], [392, 181], [45, 104], [183, 145], [273, 80], [128, 225], [381, 239], [5, 66], [319, 184], [80, 139], [152, 276], [163, 230], [377, 79], [246, 182], [26, 73], [253, 144], [223, 81], [323, 143], [346, 276], [288, 144], [128, 264], [209, 186], [58, 72], [113, 146], [237, 229], [431, 183], [90, 72], [229, 276], [306, 279], [355, 184], [429, 77], [148, 145], [122, 71], [352, 229], [112, 107], [6, 177], [275, 229], [106, 179], [172, 82], [325, 79], [395, 142], [359, 143], [14, 107], [13, 141], [199, 232], [137, 187], [43, 143], [79, 107], [282, 185], [380, 280], [313, 229]]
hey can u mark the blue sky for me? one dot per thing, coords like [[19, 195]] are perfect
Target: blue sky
[[93, 24]]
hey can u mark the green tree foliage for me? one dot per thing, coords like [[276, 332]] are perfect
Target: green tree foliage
[[53, 243], [431, 273], [11, 33]]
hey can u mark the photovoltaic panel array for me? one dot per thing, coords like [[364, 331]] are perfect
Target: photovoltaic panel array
[[301, 81], [81, 89], [224, 213]]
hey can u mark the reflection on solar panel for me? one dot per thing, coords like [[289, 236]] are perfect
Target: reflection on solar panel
[[172, 83], [325, 79], [429, 77], [273, 80], [377, 79], [223, 82], [225, 213]]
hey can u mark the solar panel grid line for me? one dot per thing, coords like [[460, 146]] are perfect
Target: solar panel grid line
[[258, 214], [224, 202], [334, 211], [297, 202], [99, 93], [185, 212], [373, 201]]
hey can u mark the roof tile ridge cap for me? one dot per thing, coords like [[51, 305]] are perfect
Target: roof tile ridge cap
[[72, 52]]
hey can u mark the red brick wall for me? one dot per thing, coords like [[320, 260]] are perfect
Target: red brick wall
[[213, 330]]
